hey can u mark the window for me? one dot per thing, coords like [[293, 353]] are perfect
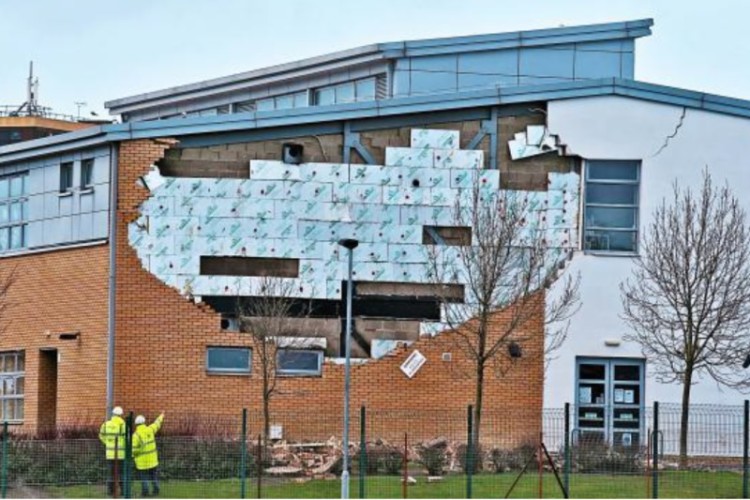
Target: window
[[244, 107], [611, 210], [299, 362], [66, 177], [12, 374], [13, 211], [286, 101], [228, 359], [354, 91], [87, 173]]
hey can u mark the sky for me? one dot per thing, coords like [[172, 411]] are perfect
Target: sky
[[92, 50]]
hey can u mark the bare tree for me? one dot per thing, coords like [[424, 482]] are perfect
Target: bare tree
[[269, 318], [505, 267], [688, 302]]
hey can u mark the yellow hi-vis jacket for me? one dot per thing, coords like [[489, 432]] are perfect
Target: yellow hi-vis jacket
[[111, 434], [144, 445]]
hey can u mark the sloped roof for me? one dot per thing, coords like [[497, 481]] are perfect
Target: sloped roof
[[390, 50]]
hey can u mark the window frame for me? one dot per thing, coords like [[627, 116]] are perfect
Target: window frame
[[87, 164], [291, 372], [10, 223], [355, 91], [68, 165], [230, 371], [636, 229], [16, 374]]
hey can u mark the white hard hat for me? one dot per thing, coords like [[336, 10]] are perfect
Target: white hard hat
[[117, 410], [140, 419]]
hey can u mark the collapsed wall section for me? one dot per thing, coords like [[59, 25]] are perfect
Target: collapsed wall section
[[163, 336]]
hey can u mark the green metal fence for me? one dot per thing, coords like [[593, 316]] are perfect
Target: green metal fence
[[424, 454]]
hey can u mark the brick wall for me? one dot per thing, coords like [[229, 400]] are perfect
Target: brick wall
[[162, 339], [59, 292]]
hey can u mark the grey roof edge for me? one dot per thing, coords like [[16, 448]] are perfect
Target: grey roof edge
[[552, 36], [548, 36], [267, 71], [415, 104]]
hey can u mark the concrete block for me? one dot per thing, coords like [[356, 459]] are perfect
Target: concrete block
[[458, 158], [374, 213], [568, 181], [408, 157], [444, 197], [435, 139], [353, 193], [274, 170], [404, 254], [406, 196], [368, 252], [433, 216], [324, 172], [271, 190], [375, 174]]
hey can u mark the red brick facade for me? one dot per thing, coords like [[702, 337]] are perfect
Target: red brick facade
[[162, 339], [59, 292]]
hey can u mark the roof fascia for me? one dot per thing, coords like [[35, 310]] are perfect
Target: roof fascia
[[386, 108], [263, 76]]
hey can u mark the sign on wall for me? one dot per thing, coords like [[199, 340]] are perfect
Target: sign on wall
[[413, 363]]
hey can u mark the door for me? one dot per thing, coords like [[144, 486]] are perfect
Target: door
[[47, 395], [610, 400]]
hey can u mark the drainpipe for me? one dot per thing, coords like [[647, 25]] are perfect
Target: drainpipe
[[113, 162]]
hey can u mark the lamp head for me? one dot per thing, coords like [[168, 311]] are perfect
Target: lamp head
[[349, 243]]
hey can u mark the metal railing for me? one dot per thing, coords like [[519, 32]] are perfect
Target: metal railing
[[10, 110]]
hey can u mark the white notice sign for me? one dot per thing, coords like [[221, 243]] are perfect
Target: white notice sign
[[413, 363]]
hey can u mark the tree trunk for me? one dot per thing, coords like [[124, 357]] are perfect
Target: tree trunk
[[477, 417], [266, 412], [685, 417]]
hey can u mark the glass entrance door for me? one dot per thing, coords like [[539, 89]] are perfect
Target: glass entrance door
[[609, 400]]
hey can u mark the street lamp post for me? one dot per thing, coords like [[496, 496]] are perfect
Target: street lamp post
[[349, 244]]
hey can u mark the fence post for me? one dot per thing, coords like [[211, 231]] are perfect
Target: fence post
[[566, 470], [126, 468], [243, 455], [259, 465], [469, 448], [4, 476], [655, 441], [362, 451], [745, 446], [406, 466]]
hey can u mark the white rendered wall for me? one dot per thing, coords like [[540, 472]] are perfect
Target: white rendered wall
[[623, 128]]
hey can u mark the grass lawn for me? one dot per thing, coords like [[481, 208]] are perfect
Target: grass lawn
[[672, 485]]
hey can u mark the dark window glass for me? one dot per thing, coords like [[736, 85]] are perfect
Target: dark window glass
[[620, 218], [228, 359], [627, 372], [613, 170], [616, 241], [298, 362], [612, 194], [591, 371], [87, 173], [66, 177]]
